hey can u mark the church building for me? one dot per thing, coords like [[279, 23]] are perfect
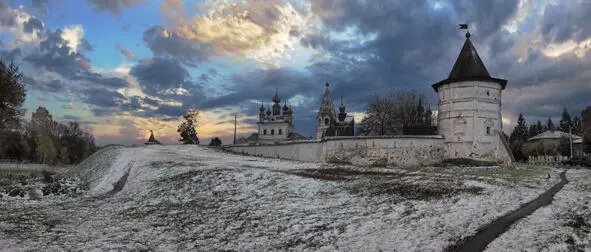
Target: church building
[[328, 123], [274, 125]]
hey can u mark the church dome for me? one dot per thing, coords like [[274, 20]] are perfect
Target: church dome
[[262, 108], [285, 108]]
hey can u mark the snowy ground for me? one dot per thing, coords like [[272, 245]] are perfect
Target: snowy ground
[[565, 225], [194, 198]]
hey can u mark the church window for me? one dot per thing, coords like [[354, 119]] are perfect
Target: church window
[[488, 130], [488, 93], [326, 121], [264, 132], [280, 132], [272, 132]]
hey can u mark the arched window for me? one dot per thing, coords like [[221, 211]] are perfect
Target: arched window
[[326, 121], [280, 132], [264, 132], [272, 132], [488, 125]]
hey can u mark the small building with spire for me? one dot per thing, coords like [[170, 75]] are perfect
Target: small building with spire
[[152, 140], [329, 123]]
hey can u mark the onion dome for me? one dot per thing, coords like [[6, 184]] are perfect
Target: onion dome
[[262, 108], [268, 112], [285, 108]]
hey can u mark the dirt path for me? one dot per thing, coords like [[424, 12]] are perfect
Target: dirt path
[[489, 232]]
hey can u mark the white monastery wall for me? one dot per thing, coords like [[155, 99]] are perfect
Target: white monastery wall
[[366, 151]]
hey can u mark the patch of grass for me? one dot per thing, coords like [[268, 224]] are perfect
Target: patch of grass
[[410, 191], [466, 162], [579, 223], [336, 174]]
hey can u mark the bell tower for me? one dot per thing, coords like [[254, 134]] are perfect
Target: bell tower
[[326, 114]]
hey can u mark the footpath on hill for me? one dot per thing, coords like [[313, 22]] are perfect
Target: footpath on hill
[[489, 232]]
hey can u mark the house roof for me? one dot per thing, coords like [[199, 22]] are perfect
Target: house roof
[[554, 134], [469, 67]]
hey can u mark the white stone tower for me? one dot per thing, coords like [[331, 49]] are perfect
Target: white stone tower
[[469, 113]]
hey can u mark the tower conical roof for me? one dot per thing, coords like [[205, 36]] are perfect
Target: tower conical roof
[[469, 67], [468, 63]]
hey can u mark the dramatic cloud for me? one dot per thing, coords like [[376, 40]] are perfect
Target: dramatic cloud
[[55, 54], [115, 7], [25, 28], [259, 31], [160, 76], [10, 55], [125, 52], [168, 44], [51, 86]]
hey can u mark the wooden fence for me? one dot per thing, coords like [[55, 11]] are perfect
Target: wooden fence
[[547, 160]]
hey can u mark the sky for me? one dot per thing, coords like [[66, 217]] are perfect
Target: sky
[[124, 67]]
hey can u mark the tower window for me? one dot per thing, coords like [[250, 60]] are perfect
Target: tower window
[[280, 132], [488, 93], [264, 132], [488, 130], [326, 121], [272, 132]]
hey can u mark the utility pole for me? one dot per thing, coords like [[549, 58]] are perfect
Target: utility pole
[[570, 137], [234, 129]]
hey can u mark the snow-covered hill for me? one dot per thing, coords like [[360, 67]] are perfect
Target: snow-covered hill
[[195, 198]]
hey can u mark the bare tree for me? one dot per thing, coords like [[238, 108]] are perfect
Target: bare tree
[[379, 118], [408, 108], [388, 116]]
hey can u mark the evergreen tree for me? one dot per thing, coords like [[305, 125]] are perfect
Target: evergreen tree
[[518, 138], [12, 93], [550, 125], [586, 129], [565, 122], [216, 141], [540, 127], [520, 131], [532, 131], [186, 128], [577, 126]]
